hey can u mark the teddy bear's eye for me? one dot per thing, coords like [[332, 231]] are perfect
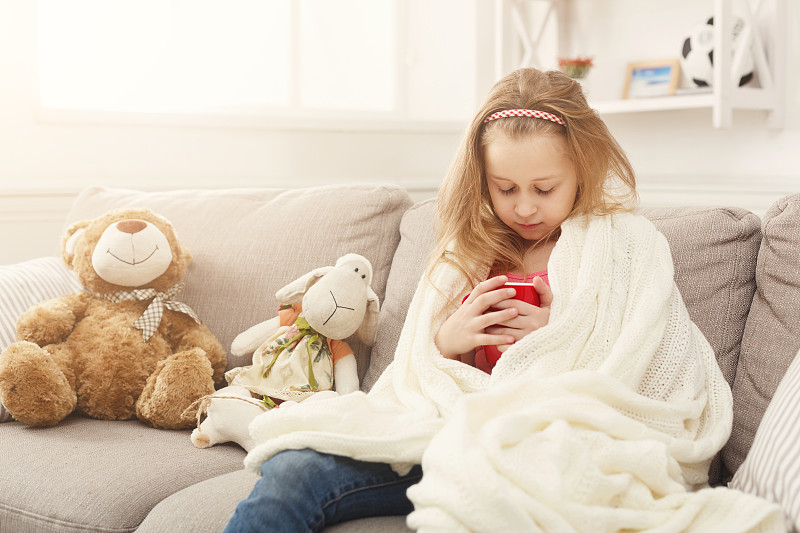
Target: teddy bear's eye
[[356, 269], [363, 276]]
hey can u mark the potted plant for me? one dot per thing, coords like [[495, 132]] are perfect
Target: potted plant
[[575, 67]]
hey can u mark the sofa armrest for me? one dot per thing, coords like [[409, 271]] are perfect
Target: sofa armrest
[[25, 284]]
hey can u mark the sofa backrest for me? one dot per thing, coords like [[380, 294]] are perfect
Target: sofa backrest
[[248, 243], [772, 334]]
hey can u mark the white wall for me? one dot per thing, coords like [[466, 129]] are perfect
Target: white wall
[[680, 158]]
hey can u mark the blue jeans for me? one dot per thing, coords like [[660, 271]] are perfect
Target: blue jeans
[[303, 490]]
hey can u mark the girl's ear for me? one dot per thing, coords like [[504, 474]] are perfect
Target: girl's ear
[[71, 239], [369, 326], [294, 291]]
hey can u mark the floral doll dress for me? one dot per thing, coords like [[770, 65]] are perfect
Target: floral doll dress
[[294, 362]]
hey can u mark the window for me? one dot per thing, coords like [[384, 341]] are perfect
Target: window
[[302, 59]]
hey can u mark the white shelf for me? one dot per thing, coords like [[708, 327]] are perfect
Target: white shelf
[[769, 58], [661, 103], [740, 98]]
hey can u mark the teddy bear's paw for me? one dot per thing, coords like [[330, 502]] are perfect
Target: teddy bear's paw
[[49, 322], [176, 383], [32, 387]]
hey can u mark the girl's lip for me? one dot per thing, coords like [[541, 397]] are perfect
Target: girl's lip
[[527, 226]]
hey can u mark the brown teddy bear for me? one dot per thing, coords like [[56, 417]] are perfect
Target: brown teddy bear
[[121, 347]]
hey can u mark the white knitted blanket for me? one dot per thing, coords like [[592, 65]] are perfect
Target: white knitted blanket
[[606, 419]]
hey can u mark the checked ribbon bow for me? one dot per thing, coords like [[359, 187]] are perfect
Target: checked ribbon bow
[[151, 318]]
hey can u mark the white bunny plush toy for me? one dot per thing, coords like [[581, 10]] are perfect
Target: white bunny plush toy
[[299, 353]]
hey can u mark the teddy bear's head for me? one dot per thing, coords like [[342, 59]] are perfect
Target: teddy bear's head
[[125, 249]]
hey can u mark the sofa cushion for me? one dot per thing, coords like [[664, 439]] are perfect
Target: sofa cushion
[[208, 505], [248, 243], [94, 475], [25, 284], [713, 249], [204, 506], [417, 239], [378, 524], [772, 334], [772, 467]]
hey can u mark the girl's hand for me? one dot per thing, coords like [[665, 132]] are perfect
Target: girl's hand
[[465, 329], [528, 317]]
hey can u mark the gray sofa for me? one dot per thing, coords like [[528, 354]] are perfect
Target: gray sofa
[[738, 275]]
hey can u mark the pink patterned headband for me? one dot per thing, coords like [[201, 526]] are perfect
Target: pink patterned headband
[[525, 113]]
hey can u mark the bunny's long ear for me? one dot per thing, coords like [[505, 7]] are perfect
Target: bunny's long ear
[[294, 291], [369, 326]]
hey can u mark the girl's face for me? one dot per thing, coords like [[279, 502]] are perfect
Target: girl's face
[[532, 183]]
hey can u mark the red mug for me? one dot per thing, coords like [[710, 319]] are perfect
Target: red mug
[[525, 293]]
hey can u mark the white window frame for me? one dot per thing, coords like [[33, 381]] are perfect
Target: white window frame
[[293, 117]]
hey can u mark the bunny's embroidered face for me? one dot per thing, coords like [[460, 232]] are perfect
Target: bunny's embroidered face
[[338, 301], [336, 304], [131, 252]]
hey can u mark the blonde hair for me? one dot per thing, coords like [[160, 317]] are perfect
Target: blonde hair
[[467, 220]]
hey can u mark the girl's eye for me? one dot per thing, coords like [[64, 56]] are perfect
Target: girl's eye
[[541, 192], [507, 191]]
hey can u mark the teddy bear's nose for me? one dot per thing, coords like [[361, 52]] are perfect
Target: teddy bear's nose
[[131, 226]]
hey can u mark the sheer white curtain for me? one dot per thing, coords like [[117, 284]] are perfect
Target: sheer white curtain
[[292, 58], [217, 56]]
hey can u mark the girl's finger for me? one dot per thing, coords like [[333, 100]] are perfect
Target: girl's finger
[[545, 293], [483, 287], [515, 333], [493, 318], [524, 308], [496, 340]]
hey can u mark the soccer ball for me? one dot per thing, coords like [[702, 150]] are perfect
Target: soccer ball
[[697, 57]]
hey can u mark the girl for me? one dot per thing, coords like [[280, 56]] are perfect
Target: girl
[[519, 175], [606, 397]]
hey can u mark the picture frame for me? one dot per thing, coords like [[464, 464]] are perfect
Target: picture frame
[[647, 79]]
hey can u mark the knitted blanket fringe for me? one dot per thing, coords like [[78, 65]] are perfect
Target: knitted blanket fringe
[[606, 419]]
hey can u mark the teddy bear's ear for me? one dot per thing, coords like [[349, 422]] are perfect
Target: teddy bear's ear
[[294, 291], [369, 326], [71, 239]]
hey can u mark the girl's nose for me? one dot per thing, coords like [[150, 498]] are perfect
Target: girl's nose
[[526, 207]]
